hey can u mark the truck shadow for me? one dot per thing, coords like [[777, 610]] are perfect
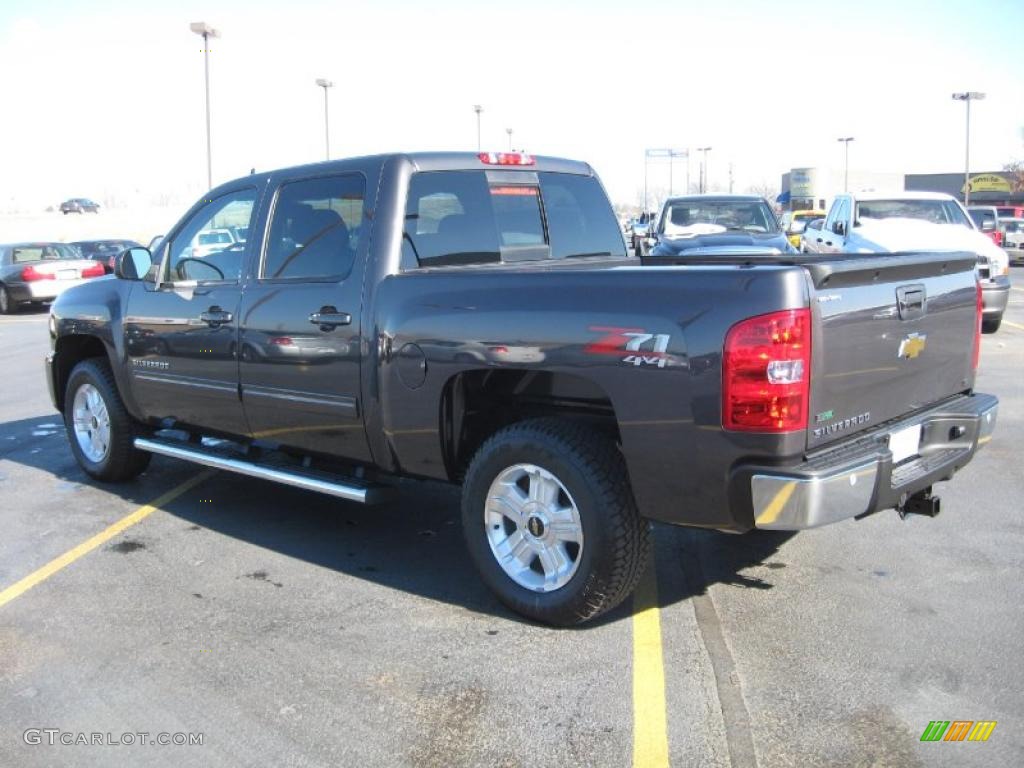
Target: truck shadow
[[413, 543]]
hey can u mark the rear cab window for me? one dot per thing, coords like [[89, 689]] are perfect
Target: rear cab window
[[494, 216]]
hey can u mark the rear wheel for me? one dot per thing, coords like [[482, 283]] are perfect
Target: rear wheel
[[7, 304], [550, 521], [991, 324], [100, 429]]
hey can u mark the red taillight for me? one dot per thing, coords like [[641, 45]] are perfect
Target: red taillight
[[94, 270], [766, 366], [505, 158], [979, 306], [281, 341], [30, 273]]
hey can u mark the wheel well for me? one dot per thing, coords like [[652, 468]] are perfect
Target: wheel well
[[70, 351], [476, 404]]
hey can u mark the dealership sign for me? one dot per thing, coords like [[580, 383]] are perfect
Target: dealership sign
[[988, 182]]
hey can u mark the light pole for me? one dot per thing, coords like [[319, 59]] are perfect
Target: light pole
[[478, 109], [671, 154], [205, 31], [846, 162], [967, 97], [703, 168], [509, 132], [325, 84]]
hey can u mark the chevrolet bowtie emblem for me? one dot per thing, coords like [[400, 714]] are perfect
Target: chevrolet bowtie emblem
[[912, 346]]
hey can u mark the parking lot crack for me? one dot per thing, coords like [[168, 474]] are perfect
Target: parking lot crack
[[739, 737]]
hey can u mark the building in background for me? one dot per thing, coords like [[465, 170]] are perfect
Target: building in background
[[989, 188], [813, 188]]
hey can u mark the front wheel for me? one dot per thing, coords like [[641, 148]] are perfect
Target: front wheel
[[550, 521], [7, 304], [100, 429]]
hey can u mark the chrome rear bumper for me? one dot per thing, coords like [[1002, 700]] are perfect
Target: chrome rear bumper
[[846, 482]]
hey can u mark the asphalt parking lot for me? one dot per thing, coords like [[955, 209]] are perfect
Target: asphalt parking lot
[[293, 629]]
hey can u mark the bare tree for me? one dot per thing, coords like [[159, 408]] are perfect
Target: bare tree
[[763, 189], [1015, 170]]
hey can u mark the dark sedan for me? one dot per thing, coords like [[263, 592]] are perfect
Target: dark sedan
[[716, 224], [104, 251], [79, 205]]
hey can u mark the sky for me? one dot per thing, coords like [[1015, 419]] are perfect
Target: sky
[[106, 100]]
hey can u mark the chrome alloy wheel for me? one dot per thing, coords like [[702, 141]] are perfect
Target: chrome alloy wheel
[[92, 423], [534, 528]]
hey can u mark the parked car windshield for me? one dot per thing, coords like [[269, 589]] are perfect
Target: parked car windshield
[[799, 221], [685, 217], [935, 211], [211, 238]]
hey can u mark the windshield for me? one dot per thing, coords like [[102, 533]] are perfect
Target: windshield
[[689, 217], [935, 211], [43, 252], [800, 221]]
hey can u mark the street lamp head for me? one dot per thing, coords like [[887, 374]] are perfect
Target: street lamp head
[[324, 83], [203, 29], [704, 149], [845, 138], [477, 108], [969, 96]]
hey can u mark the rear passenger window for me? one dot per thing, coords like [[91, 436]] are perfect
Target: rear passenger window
[[581, 221], [449, 219], [315, 229]]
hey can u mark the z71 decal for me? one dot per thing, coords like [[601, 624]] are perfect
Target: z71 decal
[[633, 345]]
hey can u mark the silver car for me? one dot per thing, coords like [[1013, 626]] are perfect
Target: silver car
[[40, 272]]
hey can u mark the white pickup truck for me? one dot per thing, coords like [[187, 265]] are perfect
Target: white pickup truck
[[904, 221]]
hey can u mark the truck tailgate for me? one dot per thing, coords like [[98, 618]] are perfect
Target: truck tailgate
[[894, 334]]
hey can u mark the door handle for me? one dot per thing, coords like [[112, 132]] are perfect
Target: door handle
[[329, 318], [215, 316]]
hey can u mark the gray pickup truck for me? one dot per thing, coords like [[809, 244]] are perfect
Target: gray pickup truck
[[475, 319]]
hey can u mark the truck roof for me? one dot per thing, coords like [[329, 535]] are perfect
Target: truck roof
[[904, 195], [434, 161], [716, 198]]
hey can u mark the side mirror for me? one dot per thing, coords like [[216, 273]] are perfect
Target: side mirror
[[839, 228], [988, 226], [134, 264]]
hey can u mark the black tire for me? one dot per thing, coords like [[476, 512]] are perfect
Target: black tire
[[616, 540], [991, 324], [122, 461], [7, 304]]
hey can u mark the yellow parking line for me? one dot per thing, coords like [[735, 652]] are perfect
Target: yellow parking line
[[21, 587], [1018, 326], [650, 730]]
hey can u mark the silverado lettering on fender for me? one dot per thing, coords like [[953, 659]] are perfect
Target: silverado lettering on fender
[[475, 319]]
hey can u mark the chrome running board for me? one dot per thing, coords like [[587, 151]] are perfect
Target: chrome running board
[[350, 489]]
